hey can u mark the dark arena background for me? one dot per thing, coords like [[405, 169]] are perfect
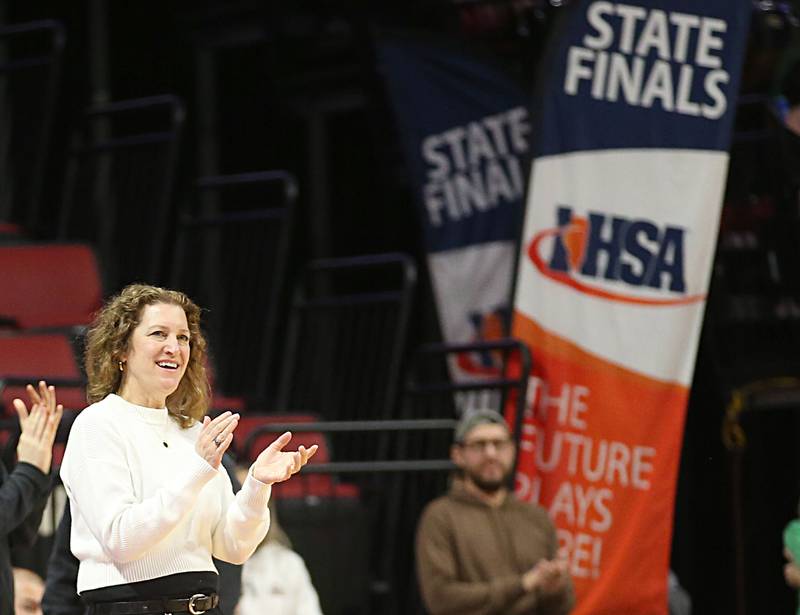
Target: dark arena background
[[249, 154]]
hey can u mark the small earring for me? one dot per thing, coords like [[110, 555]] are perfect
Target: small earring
[[121, 366]]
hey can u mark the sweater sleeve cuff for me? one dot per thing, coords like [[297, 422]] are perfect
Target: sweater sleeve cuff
[[198, 472], [506, 589], [254, 496], [34, 474]]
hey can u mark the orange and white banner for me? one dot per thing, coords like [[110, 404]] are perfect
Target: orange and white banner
[[620, 228]]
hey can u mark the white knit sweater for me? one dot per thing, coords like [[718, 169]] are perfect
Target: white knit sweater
[[141, 510]]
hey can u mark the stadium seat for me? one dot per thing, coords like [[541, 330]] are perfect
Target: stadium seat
[[49, 285], [305, 485], [9, 232], [248, 447], [32, 357]]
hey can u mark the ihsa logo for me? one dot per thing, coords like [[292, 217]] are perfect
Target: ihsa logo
[[615, 258]]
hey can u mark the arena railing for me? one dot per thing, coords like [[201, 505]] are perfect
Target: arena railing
[[118, 186], [411, 465], [239, 223]]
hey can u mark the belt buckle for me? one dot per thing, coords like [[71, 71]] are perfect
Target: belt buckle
[[192, 610]]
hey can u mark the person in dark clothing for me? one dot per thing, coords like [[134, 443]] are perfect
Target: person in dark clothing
[[24, 490], [61, 596]]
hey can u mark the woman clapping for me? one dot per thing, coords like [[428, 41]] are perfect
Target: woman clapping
[[150, 503]]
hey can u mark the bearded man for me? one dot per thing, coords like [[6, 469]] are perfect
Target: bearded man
[[479, 550]]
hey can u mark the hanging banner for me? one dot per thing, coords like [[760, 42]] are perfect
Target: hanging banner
[[632, 130], [466, 133]]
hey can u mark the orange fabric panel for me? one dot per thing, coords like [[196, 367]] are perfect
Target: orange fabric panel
[[600, 450]]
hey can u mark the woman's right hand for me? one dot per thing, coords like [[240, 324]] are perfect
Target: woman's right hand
[[215, 437], [38, 426]]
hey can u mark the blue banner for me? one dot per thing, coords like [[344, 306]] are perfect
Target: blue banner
[[466, 133], [649, 74]]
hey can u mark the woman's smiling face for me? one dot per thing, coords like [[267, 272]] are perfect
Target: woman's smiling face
[[157, 355]]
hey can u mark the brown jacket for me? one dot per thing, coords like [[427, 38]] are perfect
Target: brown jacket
[[471, 557]]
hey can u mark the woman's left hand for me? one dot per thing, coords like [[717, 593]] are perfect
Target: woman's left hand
[[215, 437], [274, 465]]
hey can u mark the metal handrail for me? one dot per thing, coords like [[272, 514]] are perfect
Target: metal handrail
[[175, 104], [368, 260], [291, 189], [361, 467], [405, 465], [357, 298], [57, 28], [455, 387], [31, 62], [508, 343], [354, 426], [148, 138], [254, 215]]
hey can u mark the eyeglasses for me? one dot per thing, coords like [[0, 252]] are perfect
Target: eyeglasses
[[481, 446]]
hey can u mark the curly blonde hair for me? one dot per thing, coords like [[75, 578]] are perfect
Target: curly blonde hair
[[109, 338]]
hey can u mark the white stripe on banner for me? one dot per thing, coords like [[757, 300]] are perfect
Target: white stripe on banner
[[658, 213], [472, 286]]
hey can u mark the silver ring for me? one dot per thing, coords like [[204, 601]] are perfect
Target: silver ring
[[217, 442]]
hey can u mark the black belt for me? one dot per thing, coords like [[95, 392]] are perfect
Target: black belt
[[197, 604]]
